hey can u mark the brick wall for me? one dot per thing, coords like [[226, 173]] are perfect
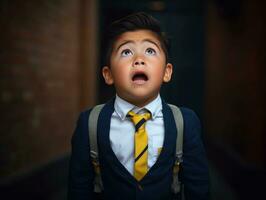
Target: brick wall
[[235, 83], [39, 81]]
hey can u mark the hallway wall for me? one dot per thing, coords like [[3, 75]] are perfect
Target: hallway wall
[[40, 87], [235, 93]]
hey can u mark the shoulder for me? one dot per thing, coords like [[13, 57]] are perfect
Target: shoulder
[[192, 125], [81, 127], [84, 115], [192, 128], [80, 134], [86, 112], [190, 117]]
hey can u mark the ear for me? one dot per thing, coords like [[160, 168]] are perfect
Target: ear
[[107, 75], [168, 72]]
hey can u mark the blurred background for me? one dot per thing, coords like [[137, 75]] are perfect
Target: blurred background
[[50, 62]]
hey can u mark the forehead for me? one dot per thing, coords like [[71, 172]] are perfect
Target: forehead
[[137, 36]]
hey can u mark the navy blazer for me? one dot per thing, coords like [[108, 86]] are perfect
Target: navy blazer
[[118, 182]]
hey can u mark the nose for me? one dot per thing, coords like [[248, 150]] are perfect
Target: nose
[[139, 61]]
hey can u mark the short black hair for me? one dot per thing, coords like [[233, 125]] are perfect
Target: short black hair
[[133, 22]]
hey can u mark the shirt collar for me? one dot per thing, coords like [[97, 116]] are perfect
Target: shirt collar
[[122, 107]]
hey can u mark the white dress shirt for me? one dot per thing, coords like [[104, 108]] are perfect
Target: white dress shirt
[[122, 131]]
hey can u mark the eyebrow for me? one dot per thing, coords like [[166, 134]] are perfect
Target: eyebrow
[[131, 41]]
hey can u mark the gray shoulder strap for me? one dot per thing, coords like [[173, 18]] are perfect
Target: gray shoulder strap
[[180, 126], [93, 121]]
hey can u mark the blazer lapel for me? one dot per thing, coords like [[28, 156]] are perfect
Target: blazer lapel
[[166, 157], [104, 145]]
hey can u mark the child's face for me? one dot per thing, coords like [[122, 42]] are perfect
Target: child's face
[[137, 67]]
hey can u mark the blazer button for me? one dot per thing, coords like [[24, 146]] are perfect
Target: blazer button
[[140, 187]]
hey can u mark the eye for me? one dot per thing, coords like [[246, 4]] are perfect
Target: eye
[[150, 51], [126, 52]]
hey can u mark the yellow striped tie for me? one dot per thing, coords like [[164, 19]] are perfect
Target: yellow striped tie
[[141, 144]]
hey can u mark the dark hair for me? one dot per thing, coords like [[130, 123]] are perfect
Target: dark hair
[[133, 22]]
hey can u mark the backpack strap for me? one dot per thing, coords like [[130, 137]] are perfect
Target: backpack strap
[[180, 129], [92, 123], [177, 187]]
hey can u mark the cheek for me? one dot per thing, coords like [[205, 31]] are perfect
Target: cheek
[[121, 75], [119, 65], [159, 77], [158, 73]]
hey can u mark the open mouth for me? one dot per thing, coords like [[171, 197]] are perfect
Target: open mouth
[[139, 78]]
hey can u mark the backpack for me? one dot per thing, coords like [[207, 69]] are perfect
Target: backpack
[[176, 186]]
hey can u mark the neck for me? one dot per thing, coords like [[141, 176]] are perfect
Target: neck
[[141, 103]]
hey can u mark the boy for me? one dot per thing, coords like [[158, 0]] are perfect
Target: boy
[[132, 167]]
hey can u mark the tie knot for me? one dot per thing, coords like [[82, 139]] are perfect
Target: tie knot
[[139, 119]]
